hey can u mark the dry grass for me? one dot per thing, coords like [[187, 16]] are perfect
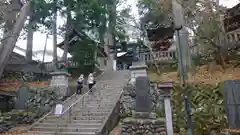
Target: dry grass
[[202, 75], [17, 131], [116, 131], [10, 86]]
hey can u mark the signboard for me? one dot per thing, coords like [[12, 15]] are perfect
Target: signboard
[[58, 109]]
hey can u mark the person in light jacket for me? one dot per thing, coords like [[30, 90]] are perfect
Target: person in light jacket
[[80, 84], [91, 81]]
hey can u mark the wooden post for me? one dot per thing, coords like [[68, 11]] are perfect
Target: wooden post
[[166, 87]]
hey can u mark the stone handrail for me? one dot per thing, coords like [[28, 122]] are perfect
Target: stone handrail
[[159, 56]]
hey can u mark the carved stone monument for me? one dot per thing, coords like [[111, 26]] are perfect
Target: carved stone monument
[[143, 101], [21, 98], [60, 83], [143, 122]]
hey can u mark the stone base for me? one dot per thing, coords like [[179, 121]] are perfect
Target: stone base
[[135, 126], [144, 115]]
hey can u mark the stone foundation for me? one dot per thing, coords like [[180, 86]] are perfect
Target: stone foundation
[[135, 126]]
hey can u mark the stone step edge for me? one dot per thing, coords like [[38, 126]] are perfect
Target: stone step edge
[[60, 133]]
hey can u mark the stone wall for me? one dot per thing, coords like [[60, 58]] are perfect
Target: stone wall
[[32, 103], [41, 99], [133, 126], [128, 101], [35, 99]]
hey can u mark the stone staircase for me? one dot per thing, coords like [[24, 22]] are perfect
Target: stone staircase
[[85, 114]]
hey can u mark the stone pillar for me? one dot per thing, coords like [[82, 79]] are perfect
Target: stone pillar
[[60, 83], [143, 121], [137, 69], [184, 43]]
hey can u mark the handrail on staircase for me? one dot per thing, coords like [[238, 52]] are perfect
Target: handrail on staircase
[[38, 121], [79, 98], [73, 104]]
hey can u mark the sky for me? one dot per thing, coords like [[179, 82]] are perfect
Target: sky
[[39, 38]]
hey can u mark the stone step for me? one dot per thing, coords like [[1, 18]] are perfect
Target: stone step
[[66, 124], [60, 133], [75, 118], [90, 102], [90, 111], [65, 129], [85, 110], [86, 113], [79, 114], [99, 106], [72, 121], [93, 105]]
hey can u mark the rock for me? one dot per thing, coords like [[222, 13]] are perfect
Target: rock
[[142, 126], [41, 99]]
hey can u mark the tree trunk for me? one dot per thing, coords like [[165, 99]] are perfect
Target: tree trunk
[[7, 29], [54, 30], [66, 40], [9, 22], [29, 51], [13, 36], [112, 26]]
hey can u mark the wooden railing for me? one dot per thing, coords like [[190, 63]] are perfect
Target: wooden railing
[[71, 64], [49, 65], [161, 56]]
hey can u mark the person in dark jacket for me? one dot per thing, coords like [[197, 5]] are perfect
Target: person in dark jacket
[[80, 84]]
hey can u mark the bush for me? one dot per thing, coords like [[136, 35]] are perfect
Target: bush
[[207, 108]]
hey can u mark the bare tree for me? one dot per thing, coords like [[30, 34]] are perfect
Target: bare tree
[[30, 31], [12, 36]]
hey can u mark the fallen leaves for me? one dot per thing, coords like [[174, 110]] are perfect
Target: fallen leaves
[[18, 131], [202, 75], [116, 131], [13, 85]]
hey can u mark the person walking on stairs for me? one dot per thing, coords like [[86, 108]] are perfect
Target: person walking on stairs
[[80, 84], [91, 81]]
